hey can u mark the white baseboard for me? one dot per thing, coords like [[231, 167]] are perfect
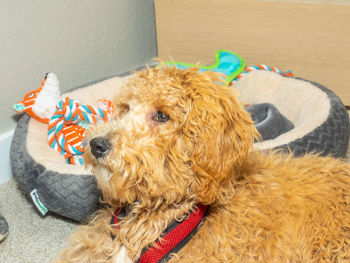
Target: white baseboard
[[5, 144]]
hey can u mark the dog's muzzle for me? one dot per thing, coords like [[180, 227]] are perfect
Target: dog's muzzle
[[100, 146]]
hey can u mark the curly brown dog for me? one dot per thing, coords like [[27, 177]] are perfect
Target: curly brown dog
[[179, 147]]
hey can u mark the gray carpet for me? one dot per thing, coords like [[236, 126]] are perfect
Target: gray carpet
[[32, 238]]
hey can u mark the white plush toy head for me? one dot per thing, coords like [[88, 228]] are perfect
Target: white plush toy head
[[41, 103]]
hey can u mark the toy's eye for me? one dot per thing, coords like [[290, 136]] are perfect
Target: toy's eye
[[160, 117], [31, 95]]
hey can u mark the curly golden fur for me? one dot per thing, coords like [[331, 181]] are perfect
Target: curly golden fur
[[264, 207]]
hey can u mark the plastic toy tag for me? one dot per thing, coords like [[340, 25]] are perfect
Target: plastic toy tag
[[35, 197]]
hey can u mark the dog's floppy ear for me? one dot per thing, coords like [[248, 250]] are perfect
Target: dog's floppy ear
[[220, 134]]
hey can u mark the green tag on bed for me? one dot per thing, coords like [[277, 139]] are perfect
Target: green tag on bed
[[35, 197]]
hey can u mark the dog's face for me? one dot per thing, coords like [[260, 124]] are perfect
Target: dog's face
[[175, 136]]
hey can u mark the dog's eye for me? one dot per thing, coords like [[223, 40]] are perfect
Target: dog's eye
[[121, 109], [124, 108], [160, 117]]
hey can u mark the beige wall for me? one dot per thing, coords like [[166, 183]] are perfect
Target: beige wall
[[309, 37], [79, 40]]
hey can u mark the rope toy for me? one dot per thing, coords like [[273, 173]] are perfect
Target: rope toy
[[68, 120], [287, 73], [68, 125]]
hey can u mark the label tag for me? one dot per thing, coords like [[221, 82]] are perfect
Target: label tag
[[35, 197]]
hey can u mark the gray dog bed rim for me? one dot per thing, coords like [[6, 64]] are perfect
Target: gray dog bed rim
[[69, 195], [330, 138]]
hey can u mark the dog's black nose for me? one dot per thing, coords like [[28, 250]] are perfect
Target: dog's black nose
[[100, 146]]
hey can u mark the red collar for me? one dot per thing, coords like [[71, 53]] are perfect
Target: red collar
[[175, 236]]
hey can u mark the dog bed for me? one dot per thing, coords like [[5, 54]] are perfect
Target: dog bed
[[320, 124]]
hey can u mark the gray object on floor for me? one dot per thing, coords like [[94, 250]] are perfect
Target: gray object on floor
[[4, 228], [269, 122]]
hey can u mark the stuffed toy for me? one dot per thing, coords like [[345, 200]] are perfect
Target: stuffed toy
[[67, 119], [41, 103], [226, 62]]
